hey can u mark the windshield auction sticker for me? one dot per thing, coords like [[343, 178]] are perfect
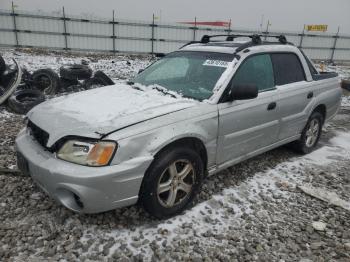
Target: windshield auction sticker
[[215, 63]]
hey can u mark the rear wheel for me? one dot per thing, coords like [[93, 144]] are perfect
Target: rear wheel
[[172, 182], [310, 135]]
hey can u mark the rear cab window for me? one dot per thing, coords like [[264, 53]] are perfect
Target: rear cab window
[[287, 68]]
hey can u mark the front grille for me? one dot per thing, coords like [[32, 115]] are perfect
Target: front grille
[[40, 135]]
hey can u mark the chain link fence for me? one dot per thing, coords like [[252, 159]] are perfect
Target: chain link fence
[[81, 33]]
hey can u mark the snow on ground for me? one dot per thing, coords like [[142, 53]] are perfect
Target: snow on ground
[[238, 200], [117, 67], [345, 102]]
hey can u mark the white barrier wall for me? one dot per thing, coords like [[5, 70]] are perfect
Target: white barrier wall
[[68, 32]]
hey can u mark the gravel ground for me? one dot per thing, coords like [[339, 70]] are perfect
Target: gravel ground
[[253, 211]]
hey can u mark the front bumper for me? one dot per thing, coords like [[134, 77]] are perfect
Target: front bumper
[[81, 188]]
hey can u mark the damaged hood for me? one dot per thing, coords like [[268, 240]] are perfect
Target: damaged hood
[[99, 111]]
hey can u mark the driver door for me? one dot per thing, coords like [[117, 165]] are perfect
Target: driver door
[[246, 126]]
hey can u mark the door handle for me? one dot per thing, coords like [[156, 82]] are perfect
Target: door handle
[[310, 95], [271, 106]]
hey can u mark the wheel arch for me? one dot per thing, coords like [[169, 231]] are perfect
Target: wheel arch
[[321, 108], [190, 141]]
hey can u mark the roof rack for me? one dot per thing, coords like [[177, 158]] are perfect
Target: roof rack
[[255, 39], [206, 38]]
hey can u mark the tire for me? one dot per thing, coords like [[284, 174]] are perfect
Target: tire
[[46, 80], [75, 72], [2, 65], [2, 91], [23, 100], [102, 76], [93, 83], [9, 81], [26, 77], [66, 83], [75, 89], [159, 173], [303, 145]]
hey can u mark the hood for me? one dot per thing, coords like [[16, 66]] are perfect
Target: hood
[[102, 110]]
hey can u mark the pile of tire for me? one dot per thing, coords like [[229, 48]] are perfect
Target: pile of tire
[[18, 99], [35, 87], [71, 74]]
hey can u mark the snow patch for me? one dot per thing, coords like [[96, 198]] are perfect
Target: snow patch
[[225, 209]]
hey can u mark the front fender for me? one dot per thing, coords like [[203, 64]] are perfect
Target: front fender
[[204, 128]]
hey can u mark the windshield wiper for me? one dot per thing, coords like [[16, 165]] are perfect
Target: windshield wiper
[[158, 88], [132, 84], [164, 91]]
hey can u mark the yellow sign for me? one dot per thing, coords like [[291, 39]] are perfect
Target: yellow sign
[[321, 28]]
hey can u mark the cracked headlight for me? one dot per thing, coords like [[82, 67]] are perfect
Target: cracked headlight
[[87, 153]]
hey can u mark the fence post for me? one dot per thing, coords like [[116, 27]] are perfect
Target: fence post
[[335, 44], [194, 29], [152, 39], [301, 38], [229, 27], [113, 37], [65, 29], [14, 24]]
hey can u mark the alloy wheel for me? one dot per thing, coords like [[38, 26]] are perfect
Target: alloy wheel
[[312, 133], [176, 183]]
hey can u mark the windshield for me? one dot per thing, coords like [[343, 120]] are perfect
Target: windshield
[[191, 74]]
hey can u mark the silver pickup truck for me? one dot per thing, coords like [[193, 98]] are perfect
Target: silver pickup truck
[[194, 112]]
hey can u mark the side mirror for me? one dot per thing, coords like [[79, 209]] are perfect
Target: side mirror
[[243, 92]]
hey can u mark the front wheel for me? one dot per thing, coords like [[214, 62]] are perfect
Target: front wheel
[[171, 182], [311, 134]]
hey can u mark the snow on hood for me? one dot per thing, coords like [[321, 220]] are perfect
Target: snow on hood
[[102, 110]]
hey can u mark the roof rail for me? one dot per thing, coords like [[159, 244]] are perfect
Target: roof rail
[[190, 43]]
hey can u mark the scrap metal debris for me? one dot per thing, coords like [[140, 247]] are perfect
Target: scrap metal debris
[[326, 196]]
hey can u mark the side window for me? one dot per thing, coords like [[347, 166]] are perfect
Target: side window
[[256, 70], [287, 68]]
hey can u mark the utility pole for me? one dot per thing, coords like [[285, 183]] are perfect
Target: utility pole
[[267, 28], [262, 23], [301, 37], [335, 44]]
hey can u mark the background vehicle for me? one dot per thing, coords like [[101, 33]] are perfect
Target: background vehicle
[[203, 108]]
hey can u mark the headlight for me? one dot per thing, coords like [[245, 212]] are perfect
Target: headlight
[[87, 153]]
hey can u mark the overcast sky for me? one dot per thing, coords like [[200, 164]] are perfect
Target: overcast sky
[[288, 15]]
